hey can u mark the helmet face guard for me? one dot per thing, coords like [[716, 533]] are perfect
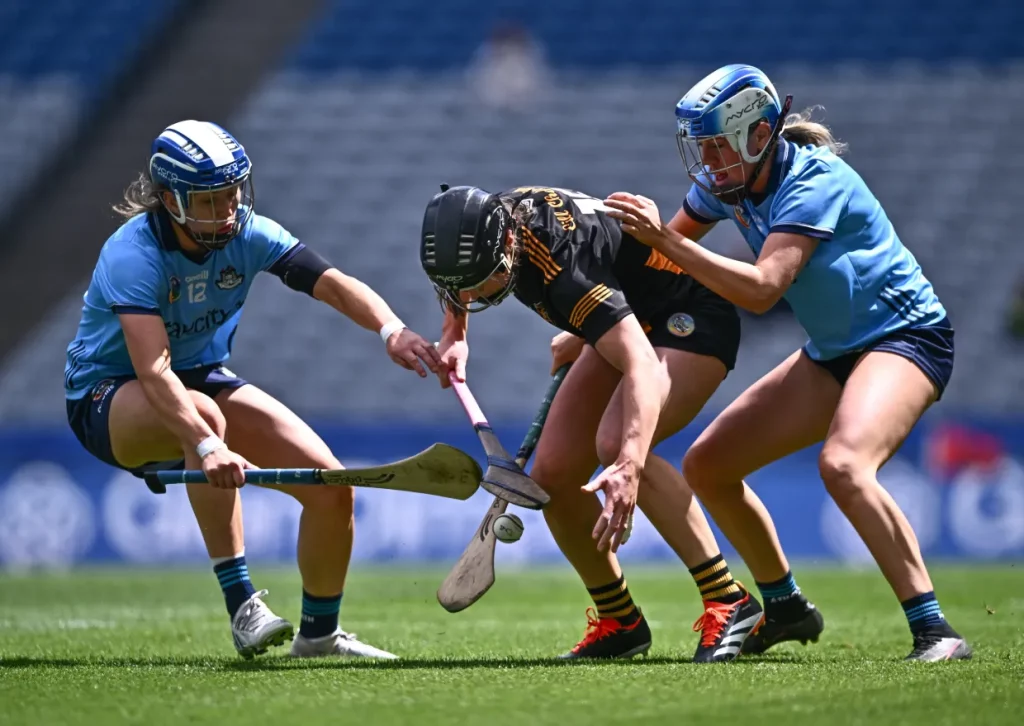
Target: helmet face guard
[[219, 231], [463, 246], [191, 159], [722, 112], [463, 300], [693, 150]]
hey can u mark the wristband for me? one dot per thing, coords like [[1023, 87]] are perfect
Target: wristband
[[208, 445], [390, 327]]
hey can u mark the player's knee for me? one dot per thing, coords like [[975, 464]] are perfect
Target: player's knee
[[699, 465], [336, 502], [552, 474], [842, 472], [210, 412], [340, 500]]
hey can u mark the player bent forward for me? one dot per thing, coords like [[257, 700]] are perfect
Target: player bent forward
[[145, 380], [657, 346]]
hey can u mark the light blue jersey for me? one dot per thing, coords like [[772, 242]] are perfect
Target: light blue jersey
[[861, 283], [142, 269]]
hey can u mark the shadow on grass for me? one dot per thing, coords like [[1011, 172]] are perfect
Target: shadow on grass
[[282, 663]]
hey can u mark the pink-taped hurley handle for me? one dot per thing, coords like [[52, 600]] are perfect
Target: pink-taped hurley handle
[[476, 416]]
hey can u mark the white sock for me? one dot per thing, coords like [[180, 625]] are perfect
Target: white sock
[[221, 560]]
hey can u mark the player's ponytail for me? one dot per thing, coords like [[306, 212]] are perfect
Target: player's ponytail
[[520, 210], [799, 129], [140, 196]]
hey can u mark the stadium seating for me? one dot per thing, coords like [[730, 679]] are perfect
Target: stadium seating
[[364, 208], [442, 35], [57, 60], [373, 110]]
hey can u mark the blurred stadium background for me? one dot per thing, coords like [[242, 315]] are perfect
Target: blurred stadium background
[[353, 112]]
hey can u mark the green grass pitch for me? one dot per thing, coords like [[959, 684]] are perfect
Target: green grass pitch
[[153, 648]]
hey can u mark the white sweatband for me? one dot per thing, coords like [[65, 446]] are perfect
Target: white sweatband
[[390, 327], [208, 446]]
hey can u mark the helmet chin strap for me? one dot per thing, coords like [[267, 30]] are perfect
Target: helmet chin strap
[[212, 242]]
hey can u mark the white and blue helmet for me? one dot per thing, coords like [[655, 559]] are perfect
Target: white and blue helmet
[[199, 157], [726, 106]]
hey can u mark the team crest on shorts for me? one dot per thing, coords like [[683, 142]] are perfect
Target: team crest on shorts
[[101, 389], [681, 325], [174, 289], [100, 392], [229, 278]]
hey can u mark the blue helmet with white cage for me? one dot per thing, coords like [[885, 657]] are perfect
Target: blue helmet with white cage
[[726, 107], [193, 158]]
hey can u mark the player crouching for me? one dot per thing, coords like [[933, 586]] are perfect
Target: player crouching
[[145, 380]]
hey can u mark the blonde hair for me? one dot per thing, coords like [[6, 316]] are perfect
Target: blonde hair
[[142, 195], [799, 129]]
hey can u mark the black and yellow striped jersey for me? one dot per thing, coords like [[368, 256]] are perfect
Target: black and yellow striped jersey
[[580, 271]]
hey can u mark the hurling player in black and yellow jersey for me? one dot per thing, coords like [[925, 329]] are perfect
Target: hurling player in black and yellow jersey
[[650, 345]]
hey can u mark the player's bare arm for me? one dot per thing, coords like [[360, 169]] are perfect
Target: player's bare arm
[[754, 287], [357, 301], [645, 388], [150, 353], [453, 348], [682, 223]]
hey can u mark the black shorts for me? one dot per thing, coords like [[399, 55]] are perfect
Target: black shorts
[[930, 348], [702, 322], [89, 415]]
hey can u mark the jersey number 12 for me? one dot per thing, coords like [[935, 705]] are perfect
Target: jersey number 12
[[197, 292]]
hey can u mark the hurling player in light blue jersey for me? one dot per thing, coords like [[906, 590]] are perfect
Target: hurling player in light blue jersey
[[880, 348], [146, 385]]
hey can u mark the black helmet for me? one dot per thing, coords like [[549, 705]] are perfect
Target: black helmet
[[463, 244]]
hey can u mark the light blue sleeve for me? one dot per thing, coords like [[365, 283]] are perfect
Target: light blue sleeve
[[810, 203], [703, 206], [129, 279], [269, 242]]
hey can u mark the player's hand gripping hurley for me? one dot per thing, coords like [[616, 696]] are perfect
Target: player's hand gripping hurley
[[473, 574]]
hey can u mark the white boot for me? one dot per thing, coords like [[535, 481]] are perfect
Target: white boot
[[337, 643], [255, 627]]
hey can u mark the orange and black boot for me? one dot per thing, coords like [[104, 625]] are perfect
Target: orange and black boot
[[610, 638], [724, 627]]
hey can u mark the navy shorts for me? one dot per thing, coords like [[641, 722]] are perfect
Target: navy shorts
[[930, 348], [89, 415]]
